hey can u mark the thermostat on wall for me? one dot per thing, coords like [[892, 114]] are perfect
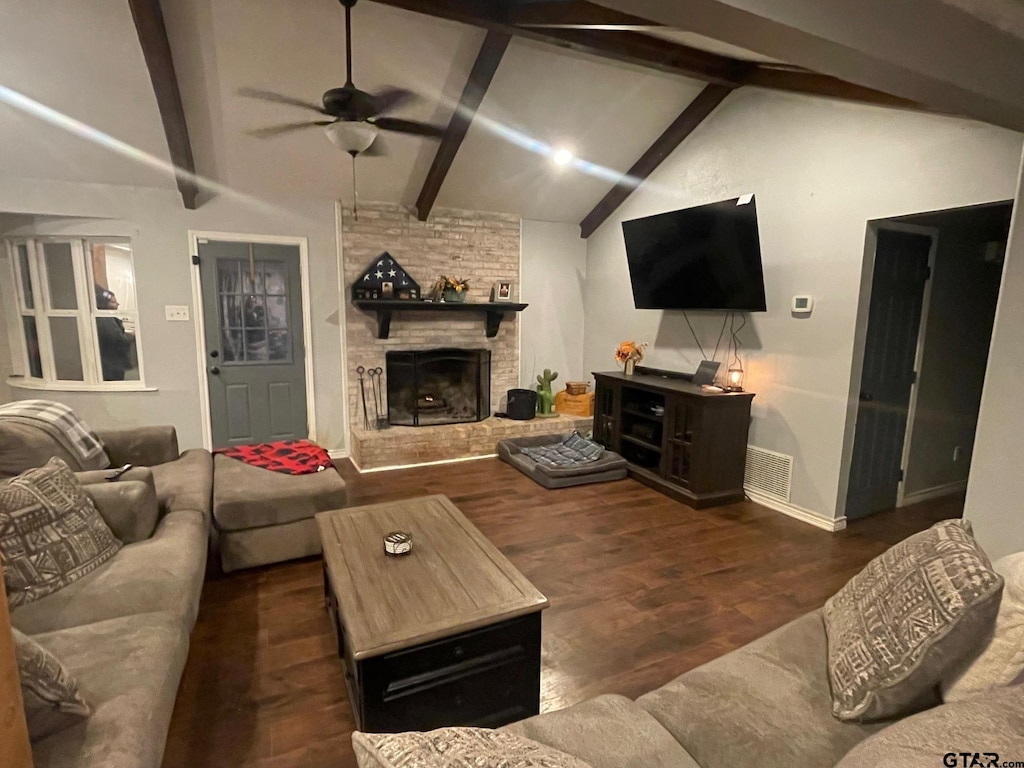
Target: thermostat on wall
[[802, 305]]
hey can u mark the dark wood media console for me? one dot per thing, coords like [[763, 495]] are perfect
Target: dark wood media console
[[679, 439]]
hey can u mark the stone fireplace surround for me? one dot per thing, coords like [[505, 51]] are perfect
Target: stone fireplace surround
[[479, 247]]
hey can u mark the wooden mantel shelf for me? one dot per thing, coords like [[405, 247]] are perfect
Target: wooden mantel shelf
[[494, 311]]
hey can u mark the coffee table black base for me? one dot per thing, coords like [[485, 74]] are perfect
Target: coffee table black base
[[486, 677]]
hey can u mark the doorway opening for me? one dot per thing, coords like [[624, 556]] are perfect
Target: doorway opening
[[932, 283]]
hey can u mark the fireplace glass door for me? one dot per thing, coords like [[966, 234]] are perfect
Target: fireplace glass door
[[438, 386]]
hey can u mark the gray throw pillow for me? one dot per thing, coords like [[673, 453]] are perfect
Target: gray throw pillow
[[50, 532], [900, 626], [457, 748], [49, 692], [1001, 660]]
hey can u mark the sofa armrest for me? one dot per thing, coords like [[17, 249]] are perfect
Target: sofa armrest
[[142, 446], [139, 474], [129, 507]]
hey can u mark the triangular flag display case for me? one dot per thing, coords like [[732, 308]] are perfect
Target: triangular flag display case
[[384, 278]]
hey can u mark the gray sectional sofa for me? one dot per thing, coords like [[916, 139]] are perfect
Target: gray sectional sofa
[[768, 704], [123, 630]]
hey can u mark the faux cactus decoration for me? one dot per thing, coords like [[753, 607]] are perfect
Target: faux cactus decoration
[[545, 400]]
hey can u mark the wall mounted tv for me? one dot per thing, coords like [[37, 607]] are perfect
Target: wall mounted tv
[[707, 257]]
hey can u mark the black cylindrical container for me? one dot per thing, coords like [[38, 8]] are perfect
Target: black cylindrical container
[[522, 404]]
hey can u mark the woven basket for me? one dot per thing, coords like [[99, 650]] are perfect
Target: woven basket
[[576, 387]]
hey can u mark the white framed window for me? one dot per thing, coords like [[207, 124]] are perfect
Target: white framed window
[[78, 313]]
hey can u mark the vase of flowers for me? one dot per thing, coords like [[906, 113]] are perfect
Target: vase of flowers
[[628, 354], [450, 289]]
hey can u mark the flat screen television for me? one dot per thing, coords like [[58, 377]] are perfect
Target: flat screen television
[[706, 257]]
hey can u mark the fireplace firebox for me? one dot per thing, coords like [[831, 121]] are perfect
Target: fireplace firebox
[[438, 386]]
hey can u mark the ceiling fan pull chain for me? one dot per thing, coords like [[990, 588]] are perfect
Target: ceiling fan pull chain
[[355, 191]]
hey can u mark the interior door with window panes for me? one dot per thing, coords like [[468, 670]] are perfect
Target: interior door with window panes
[[252, 307]]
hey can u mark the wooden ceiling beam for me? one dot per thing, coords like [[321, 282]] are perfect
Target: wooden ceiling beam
[[623, 46], [649, 52], [576, 14], [486, 64], [631, 47], [803, 81], [149, 24], [694, 114]]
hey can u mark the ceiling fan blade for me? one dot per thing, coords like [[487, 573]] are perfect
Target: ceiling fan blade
[[390, 98], [278, 98], [277, 130], [412, 127]]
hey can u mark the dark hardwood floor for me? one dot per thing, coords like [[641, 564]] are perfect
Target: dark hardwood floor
[[642, 589]]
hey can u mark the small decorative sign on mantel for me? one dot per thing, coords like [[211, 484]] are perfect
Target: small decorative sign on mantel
[[385, 278]]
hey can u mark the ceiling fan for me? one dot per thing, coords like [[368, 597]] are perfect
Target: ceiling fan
[[353, 116]]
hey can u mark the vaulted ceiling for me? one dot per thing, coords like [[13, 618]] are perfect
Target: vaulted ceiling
[[86, 63], [621, 91]]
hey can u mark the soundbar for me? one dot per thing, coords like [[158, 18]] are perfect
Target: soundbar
[[646, 371]]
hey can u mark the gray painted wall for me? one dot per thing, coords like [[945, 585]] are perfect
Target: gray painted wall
[[821, 170], [962, 309], [996, 487], [159, 227], [554, 268]]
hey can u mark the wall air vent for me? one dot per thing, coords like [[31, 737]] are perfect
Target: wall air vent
[[768, 473]]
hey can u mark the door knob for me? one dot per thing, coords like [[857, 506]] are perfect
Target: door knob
[[215, 370]]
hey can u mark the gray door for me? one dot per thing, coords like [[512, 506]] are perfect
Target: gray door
[[894, 320], [252, 305]]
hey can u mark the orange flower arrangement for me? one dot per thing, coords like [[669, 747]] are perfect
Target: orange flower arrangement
[[630, 350]]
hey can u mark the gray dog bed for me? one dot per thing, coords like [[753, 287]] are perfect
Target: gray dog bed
[[608, 465]]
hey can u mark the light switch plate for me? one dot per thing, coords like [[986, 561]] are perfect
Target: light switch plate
[[177, 313]]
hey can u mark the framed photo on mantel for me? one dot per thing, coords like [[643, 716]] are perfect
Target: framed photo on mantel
[[502, 291]]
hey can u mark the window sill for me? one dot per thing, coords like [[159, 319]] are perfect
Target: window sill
[[17, 382]]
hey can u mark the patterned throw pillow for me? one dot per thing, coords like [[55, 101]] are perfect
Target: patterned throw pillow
[[51, 533], [50, 694], [899, 627], [457, 748]]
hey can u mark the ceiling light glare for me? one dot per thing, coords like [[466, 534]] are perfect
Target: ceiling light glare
[[562, 156]]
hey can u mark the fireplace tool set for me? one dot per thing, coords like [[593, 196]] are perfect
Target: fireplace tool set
[[380, 418]]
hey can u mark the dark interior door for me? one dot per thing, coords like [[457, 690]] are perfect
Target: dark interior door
[[894, 320], [252, 307]]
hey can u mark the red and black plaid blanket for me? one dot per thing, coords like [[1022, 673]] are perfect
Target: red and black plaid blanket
[[293, 457]]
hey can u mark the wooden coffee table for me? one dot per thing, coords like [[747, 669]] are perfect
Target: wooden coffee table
[[446, 635]]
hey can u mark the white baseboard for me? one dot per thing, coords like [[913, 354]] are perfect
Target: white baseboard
[[422, 464], [338, 453], [799, 513], [936, 492]]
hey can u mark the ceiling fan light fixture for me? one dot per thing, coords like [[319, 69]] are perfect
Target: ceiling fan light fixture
[[351, 137], [562, 156]]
